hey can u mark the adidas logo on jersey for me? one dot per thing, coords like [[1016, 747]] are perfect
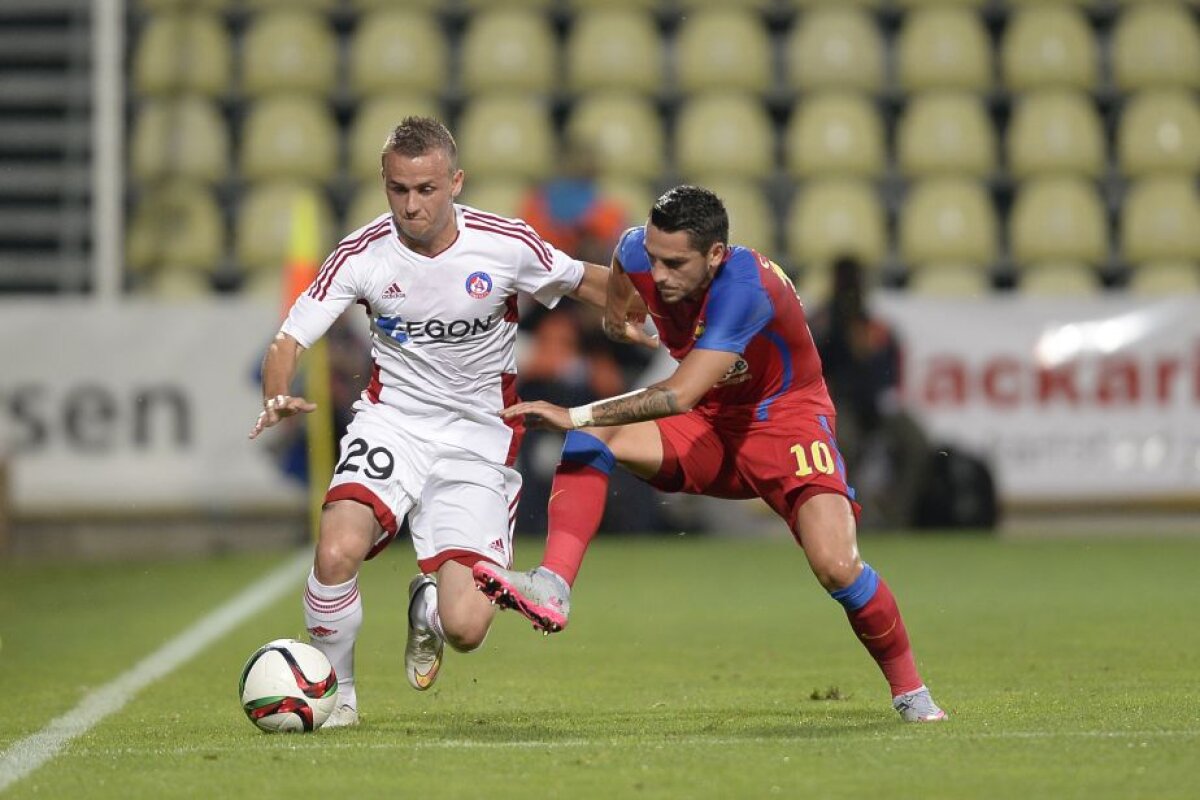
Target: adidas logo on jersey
[[497, 545], [393, 292]]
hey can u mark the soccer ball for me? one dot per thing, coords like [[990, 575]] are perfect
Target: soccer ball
[[288, 686]]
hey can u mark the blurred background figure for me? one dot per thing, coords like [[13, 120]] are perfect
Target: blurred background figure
[[885, 449]]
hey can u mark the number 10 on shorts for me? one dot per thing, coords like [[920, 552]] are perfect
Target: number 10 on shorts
[[821, 461]]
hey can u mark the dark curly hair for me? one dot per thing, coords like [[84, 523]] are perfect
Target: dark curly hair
[[695, 210]]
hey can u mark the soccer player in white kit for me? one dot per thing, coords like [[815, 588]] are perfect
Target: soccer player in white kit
[[439, 283]]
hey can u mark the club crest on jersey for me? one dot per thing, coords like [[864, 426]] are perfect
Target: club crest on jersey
[[479, 285], [699, 330]]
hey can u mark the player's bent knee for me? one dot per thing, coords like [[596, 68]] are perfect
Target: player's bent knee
[[835, 572], [465, 635]]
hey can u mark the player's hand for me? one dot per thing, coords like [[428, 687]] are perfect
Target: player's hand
[[540, 414], [628, 330], [278, 407]]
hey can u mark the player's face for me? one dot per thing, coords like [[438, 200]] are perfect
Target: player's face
[[421, 194], [678, 269]]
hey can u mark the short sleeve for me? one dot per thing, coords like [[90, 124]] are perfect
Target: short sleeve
[[737, 311], [546, 272], [331, 293]]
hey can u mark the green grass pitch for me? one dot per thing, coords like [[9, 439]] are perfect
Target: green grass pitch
[[693, 668]]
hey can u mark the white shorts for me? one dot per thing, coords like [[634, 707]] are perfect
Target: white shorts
[[458, 505]]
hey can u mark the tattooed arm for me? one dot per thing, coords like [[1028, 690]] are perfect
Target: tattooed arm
[[697, 373]]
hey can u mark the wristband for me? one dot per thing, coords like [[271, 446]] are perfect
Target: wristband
[[581, 416]]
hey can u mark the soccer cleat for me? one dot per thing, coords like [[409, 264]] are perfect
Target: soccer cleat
[[344, 716], [918, 706], [541, 596], [423, 651]]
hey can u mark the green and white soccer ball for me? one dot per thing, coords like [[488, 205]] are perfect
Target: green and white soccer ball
[[288, 686]]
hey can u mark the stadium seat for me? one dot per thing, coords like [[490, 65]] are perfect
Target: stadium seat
[[944, 47], [614, 48], [724, 133], [835, 134], [289, 50], [496, 195], [911, 4], [178, 226], [723, 48], [622, 130], [1058, 220], [508, 50], [263, 231], [186, 52], [751, 218], [755, 5], [289, 135], [1167, 278], [593, 5], [366, 6], [1049, 45], [368, 202], [487, 5], [946, 132], [375, 120], [314, 5], [1068, 279], [836, 217], [1056, 130], [1159, 132], [949, 280], [948, 223], [836, 48], [179, 138], [1160, 221], [1156, 44], [506, 136], [633, 196], [809, 5], [172, 285], [183, 5], [398, 48]]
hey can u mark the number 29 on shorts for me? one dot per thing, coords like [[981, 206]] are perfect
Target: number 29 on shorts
[[821, 459]]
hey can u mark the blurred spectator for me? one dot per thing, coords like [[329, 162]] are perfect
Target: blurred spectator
[[886, 452]]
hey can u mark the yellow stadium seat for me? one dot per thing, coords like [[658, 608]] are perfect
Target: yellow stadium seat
[[179, 138], [1067, 279], [910, 4], [187, 52], [1046, 45], [836, 217], [949, 280], [368, 202], [1160, 221], [488, 5], [946, 132], [314, 5], [506, 136], [263, 232], [292, 136], [622, 130], [723, 48], [815, 4], [377, 117], [1166, 278], [509, 50], [593, 5], [835, 134], [633, 196], [751, 218], [289, 50], [177, 225], [367, 6], [1056, 131], [1160, 132], [724, 133], [836, 48], [1156, 44], [496, 195], [398, 49], [1058, 220], [614, 48], [949, 223], [183, 5], [944, 47]]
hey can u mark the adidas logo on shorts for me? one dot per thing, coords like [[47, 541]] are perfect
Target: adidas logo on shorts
[[393, 292], [498, 546]]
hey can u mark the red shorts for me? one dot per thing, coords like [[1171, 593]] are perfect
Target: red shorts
[[785, 461]]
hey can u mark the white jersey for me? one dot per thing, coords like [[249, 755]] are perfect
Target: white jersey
[[443, 327]]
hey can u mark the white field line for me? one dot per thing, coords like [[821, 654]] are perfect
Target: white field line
[[26, 755], [324, 742]]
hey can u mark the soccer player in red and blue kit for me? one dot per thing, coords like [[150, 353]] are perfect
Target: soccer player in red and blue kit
[[745, 414]]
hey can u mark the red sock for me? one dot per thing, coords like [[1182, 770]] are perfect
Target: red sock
[[576, 506], [881, 630]]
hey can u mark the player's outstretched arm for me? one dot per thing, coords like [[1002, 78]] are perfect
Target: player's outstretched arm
[[279, 366], [699, 371]]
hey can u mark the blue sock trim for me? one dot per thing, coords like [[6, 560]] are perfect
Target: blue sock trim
[[859, 593], [583, 448]]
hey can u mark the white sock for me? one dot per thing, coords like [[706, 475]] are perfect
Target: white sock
[[432, 618], [333, 616]]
